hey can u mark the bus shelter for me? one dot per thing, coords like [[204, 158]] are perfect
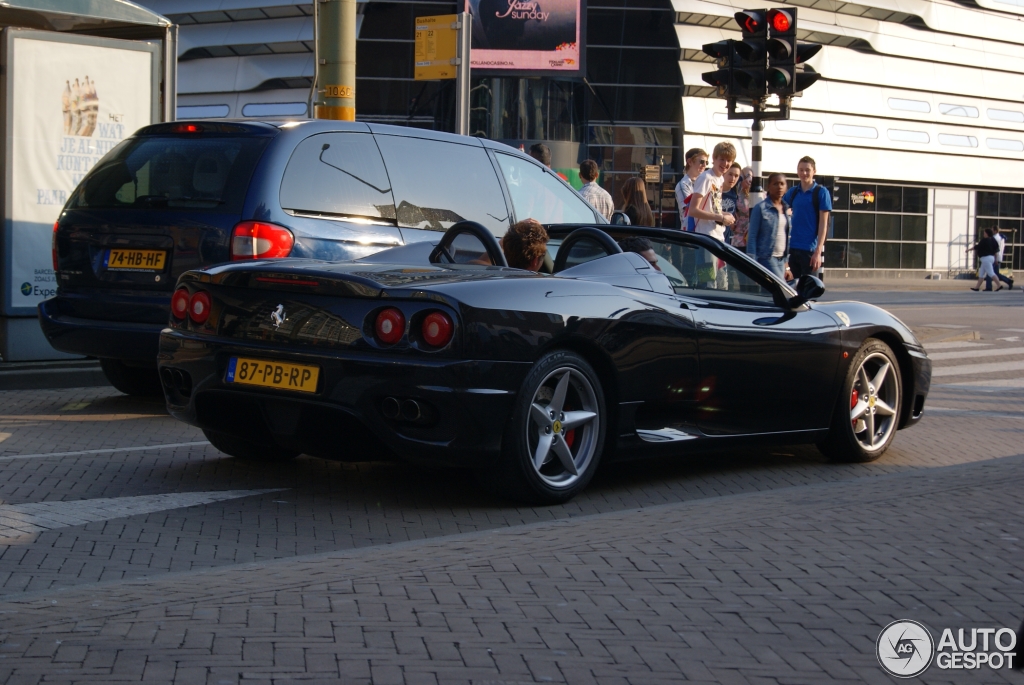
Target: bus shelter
[[78, 76]]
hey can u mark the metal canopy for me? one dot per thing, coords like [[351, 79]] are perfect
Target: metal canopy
[[102, 17]]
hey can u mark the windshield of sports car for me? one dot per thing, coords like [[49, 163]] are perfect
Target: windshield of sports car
[[691, 268]]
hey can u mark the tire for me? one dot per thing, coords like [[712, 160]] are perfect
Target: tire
[[862, 429], [138, 381], [572, 439], [244, 449]]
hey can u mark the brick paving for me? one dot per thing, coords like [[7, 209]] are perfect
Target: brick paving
[[784, 586], [759, 565]]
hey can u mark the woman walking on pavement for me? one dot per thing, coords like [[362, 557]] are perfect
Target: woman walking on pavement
[[987, 249]]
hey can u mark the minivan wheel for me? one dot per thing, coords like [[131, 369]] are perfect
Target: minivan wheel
[[248, 450], [140, 381], [553, 442]]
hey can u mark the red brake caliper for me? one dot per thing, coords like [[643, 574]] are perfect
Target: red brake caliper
[[853, 403], [570, 436]]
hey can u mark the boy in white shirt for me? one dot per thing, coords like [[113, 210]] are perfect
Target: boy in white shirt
[[706, 202]]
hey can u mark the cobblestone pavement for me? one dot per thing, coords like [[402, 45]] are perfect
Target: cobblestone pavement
[[750, 566]]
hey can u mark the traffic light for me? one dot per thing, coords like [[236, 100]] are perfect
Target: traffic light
[[787, 74], [724, 54], [749, 64]]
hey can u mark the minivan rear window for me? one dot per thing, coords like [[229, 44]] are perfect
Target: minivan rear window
[[173, 172]]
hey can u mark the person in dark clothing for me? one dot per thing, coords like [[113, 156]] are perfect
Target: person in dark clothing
[[634, 202], [643, 247], [987, 248]]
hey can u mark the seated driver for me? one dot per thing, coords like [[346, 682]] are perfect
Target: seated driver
[[642, 246], [525, 245]]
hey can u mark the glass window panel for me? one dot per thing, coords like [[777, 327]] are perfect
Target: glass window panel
[[909, 105], [202, 111], [538, 194], [957, 141], [1009, 204], [992, 143], [887, 255], [840, 225], [862, 197], [903, 136], [887, 227], [982, 223], [420, 172], [338, 173], [275, 109], [849, 131], [889, 199], [959, 110], [835, 254], [987, 203], [842, 200], [861, 256], [798, 126], [1006, 115], [915, 227], [912, 256], [915, 200], [862, 226]]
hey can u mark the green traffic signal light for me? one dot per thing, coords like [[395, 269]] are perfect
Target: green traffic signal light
[[777, 79]]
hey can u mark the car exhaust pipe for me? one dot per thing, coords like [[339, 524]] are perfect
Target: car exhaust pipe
[[411, 410], [390, 408]]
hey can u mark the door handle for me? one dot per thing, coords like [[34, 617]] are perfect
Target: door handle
[[701, 323]]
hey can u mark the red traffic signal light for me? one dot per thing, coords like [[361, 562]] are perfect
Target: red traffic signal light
[[752, 22], [780, 20]]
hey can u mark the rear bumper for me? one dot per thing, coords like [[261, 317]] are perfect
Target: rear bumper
[[466, 404], [125, 340]]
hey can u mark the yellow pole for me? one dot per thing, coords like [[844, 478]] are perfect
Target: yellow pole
[[336, 90]]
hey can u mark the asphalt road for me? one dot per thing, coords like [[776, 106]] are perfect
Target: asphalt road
[[130, 549]]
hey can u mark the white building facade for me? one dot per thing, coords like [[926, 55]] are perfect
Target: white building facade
[[917, 122]]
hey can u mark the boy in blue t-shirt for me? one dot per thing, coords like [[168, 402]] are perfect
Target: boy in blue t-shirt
[[812, 204]]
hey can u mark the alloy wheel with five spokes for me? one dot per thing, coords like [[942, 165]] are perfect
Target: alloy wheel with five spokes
[[867, 413]]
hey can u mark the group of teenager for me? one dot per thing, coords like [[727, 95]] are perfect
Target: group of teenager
[[785, 232]]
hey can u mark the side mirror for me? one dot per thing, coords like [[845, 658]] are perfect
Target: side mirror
[[619, 218], [807, 288]]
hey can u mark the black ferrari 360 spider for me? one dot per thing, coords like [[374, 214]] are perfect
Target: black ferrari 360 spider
[[441, 353]]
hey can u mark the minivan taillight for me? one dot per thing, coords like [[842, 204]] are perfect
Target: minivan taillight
[[53, 244], [260, 240]]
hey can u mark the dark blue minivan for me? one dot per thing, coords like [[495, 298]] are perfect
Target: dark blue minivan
[[182, 195]]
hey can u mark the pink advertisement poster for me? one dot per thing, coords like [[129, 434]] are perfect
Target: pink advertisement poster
[[526, 35]]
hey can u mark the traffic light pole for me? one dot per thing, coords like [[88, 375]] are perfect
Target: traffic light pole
[[756, 190]]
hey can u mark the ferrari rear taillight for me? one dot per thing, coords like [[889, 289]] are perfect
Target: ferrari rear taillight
[[260, 240], [199, 307], [390, 326], [437, 329], [179, 303]]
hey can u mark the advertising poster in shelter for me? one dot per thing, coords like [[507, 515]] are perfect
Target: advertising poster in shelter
[[527, 35], [70, 104]]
